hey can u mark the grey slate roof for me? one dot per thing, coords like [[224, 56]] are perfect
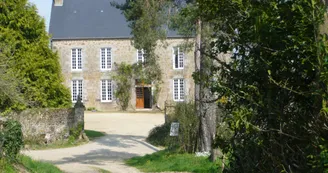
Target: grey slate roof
[[89, 19]]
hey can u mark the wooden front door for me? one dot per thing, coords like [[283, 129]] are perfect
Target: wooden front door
[[140, 98]]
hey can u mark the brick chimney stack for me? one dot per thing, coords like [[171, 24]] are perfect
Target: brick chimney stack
[[58, 2]]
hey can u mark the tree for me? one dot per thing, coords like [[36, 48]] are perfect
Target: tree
[[146, 19], [187, 22], [274, 90], [34, 64]]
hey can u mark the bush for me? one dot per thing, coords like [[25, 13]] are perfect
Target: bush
[[185, 114], [159, 135], [11, 140]]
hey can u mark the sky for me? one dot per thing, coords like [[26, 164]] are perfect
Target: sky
[[44, 9]]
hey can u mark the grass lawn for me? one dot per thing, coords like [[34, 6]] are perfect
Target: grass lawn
[[66, 144], [165, 161], [93, 134], [102, 170], [26, 164]]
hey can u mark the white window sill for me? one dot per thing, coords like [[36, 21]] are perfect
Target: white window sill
[[106, 101], [178, 68], [178, 100], [103, 70]]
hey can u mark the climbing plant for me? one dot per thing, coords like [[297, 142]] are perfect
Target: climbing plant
[[146, 19], [123, 80]]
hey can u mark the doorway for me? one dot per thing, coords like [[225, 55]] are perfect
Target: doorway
[[143, 97]]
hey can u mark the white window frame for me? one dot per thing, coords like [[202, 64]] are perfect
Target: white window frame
[[142, 56], [77, 64], [181, 58], [181, 91], [79, 82], [108, 90], [108, 54]]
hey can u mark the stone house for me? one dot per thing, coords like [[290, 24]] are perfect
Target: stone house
[[91, 35]]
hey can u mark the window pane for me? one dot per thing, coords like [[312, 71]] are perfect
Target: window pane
[[109, 90], [80, 89], [103, 90], [103, 59], [176, 89], [109, 58], [79, 58], [181, 58], [73, 58], [74, 90], [140, 55], [182, 89]]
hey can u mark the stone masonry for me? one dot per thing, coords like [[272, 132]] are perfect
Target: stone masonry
[[122, 51]]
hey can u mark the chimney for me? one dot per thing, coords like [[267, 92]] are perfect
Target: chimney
[[58, 2]]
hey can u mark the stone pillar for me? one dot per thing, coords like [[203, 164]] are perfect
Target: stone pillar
[[79, 112], [79, 117]]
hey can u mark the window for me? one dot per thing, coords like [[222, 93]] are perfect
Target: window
[[76, 59], [106, 58], [178, 90], [140, 55], [106, 91], [178, 58], [77, 88]]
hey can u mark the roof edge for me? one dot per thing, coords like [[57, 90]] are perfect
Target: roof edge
[[107, 38]]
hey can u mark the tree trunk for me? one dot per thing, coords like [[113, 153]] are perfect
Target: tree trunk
[[206, 111]]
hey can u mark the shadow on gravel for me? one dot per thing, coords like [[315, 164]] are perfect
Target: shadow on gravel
[[96, 157], [123, 141]]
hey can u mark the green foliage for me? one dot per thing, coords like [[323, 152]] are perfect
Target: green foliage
[[273, 91], [159, 136], [37, 166], [167, 160], [123, 81], [91, 109], [32, 64], [93, 134], [185, 114], [75, 132], [147, 19], [11, 140], [6, 166]]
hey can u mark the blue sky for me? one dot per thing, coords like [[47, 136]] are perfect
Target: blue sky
[[44, 9]]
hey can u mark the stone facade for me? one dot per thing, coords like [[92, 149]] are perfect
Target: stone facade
[[122, 51]]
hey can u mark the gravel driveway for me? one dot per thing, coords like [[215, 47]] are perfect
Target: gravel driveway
[[125, 138]]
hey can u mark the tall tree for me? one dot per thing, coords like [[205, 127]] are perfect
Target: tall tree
[[32, 61], [187, 22], [148, 20], [274, 90]]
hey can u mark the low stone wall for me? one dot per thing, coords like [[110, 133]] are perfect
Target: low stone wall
[[48, 125]]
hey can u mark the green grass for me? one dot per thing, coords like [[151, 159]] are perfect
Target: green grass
[[37, 166], [166, 161], [93, 134], [66, 144], [102, 170], [26, 164], [6, 167]]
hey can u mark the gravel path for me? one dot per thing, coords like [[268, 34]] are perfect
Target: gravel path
[[125, 138]]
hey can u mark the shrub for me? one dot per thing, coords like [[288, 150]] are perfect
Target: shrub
[[159, 135], [11, 140], [185, 114]]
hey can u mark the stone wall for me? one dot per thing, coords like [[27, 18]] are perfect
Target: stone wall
[[48, 125], [122, 51]]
